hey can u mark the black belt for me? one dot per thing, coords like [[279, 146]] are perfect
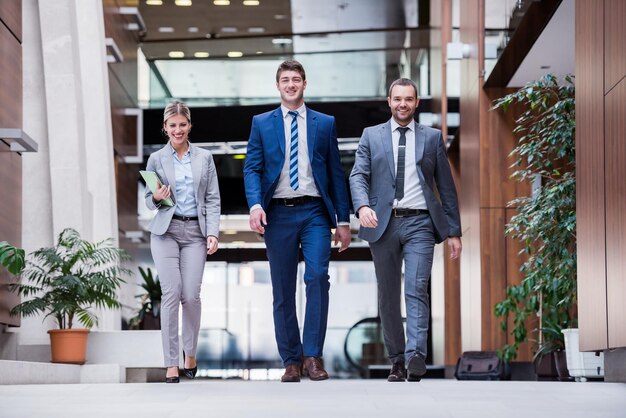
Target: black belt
[[185, 218], [293, 201], [402, 212]]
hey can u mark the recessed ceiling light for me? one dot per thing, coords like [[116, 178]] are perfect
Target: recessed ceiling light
[[154, 2], [229, 29], [201, 54], [251, 2], [256, 29], [280, 17], [281, 41], [234, 54], [259, 52], [176, 54], [192, 29], [166, 29], [182, 2], [221, 2]]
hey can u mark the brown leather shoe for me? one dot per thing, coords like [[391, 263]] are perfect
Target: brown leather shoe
[[416, 368], [292, 373], [397, 373], [315, 368]]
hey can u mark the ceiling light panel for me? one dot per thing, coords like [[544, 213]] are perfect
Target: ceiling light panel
[[176, 54], [154, 2], [182, 2], [221, 2], [251, 2]]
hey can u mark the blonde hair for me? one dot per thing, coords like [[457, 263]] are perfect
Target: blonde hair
[[176, 107]]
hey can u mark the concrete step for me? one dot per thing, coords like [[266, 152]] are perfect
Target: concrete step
[[29, 372]]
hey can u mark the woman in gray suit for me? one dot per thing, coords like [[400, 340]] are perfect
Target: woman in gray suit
[[183, 233]]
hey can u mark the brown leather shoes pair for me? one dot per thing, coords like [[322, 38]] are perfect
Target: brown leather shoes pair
[[313, 366]]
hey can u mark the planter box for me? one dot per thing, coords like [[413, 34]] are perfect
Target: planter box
[[581, 365]]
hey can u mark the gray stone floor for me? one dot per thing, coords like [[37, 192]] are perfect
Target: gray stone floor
[[334, 398]]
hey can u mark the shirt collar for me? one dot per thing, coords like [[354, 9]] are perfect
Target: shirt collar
[[301, 111], [395, 125], [173, 151]]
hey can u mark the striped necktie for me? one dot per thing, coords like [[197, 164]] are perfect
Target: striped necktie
[[293, 151], [400, 169]]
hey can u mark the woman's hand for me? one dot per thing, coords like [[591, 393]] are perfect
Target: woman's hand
[[211, 244], [162, 193]]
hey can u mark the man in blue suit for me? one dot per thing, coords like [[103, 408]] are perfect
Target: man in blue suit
[[296, 191], [404, 196]]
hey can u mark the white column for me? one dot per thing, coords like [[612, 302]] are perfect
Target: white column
[[70, 182]]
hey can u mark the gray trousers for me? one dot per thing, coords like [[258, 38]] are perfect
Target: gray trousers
[[179, 256], [413, 239]]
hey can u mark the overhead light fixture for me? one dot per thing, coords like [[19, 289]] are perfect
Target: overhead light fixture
[[192, 29], [229, 29], [182, 2], [234, 54], [166, 29], [282, 41], [256, 29], [201, 54], [251, 2], [176, 54], [280, 17], [259, 52], [221, 2], [154, 2]]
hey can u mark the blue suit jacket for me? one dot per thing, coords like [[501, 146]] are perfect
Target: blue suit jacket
[[266, 156]]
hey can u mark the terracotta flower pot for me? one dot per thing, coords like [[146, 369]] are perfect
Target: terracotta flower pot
[[69, 345]]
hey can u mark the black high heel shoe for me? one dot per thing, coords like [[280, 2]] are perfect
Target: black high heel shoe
[[190, 373], [172, 379]]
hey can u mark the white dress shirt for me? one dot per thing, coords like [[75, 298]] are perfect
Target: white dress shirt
[[306, 182], [413, 194]]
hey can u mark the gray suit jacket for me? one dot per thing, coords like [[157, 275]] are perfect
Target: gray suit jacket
[[205, 187], [373, 178]]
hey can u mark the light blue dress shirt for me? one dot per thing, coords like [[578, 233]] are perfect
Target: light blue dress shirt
[[184, 192]]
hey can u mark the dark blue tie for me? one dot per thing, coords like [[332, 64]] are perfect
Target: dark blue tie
[[400, 170], [293, 151]]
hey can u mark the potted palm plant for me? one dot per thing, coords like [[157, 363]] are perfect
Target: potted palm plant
[[545, 222], [67, 281], [149, 315]]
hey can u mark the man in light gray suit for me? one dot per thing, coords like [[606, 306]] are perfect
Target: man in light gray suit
[[397, 166]]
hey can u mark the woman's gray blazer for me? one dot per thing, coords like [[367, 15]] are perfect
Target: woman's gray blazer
[[205, 187]]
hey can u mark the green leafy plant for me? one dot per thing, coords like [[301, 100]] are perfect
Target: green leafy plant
[[150, 300], [545, 222], [12, 258], [70, 278]]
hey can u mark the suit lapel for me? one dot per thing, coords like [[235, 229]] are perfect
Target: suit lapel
[[196, 168], [279, 129], [167, 162], [311, 132], [420, 141], [388, 147]]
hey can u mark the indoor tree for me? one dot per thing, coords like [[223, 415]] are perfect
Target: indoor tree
[[545, 221]]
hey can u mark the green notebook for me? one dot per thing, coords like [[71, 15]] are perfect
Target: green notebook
[[152, 179]]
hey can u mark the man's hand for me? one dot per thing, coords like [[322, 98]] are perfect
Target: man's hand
[[454, 245], [367, 217], [258, 220], [211, 244], [343, 236]]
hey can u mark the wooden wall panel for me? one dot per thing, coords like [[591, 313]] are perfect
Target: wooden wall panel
[[615, 42], [493, 262], [10, 80], [497, 188], [10, 222], [11, 16], [615, 178], [590, 193]]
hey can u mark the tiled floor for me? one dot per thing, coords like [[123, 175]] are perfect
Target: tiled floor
[[334, 398]]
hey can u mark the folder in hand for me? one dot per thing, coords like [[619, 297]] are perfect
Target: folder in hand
[[152, 181]]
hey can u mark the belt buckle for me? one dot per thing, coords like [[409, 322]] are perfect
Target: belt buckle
[[289, 202], [395, 213]]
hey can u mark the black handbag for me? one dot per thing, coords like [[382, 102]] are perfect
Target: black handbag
[[481, 365]]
